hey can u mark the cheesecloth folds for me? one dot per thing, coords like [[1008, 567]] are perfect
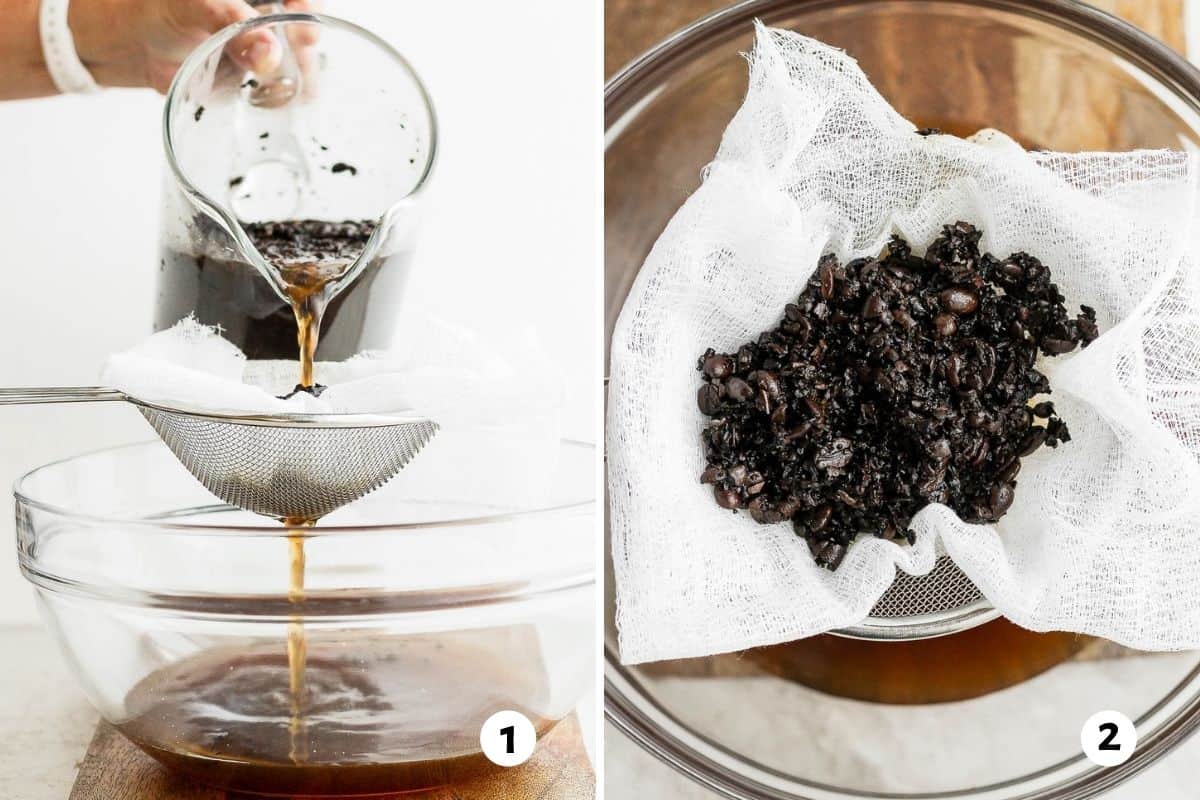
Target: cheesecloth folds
[[1104, 535]]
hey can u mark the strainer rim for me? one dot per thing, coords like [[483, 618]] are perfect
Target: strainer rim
[[348, 419], [272, 528]]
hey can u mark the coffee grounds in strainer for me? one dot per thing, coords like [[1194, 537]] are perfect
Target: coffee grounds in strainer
[[891, 383]]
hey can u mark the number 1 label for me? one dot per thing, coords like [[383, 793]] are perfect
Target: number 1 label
[[508, 738]]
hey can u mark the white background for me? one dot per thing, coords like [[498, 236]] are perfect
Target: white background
[[510, 237]]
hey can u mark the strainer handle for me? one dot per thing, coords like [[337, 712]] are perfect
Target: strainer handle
[[58, 394]]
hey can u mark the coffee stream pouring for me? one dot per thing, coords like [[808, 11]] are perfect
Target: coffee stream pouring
[[263, 170]]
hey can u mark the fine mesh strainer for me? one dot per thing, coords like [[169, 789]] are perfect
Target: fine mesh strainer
[[942, 602], [297, 466]]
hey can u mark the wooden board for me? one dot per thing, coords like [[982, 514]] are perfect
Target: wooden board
[[633, 26], [114, 769]]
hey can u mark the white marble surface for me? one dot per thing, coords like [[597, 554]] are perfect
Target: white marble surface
[[46, 722], [630, 773]]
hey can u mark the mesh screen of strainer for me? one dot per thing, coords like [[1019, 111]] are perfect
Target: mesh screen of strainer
[[282, 471], [941, 602]]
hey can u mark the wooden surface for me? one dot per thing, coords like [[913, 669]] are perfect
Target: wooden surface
[[634, 26], [114, 769]]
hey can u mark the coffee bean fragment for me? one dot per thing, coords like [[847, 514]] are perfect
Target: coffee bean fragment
[[1001, 498], [738, 390], [737, 475], [1057, 346], [945, 325], [726, 498], [315, 390], [874, 308], [762, 512], [835, 455], [830, 555], [958, 300], [825, 275], [709, 399], [718, 366], [818, 518], [890, 383], [1031, 441], [1009, 473]]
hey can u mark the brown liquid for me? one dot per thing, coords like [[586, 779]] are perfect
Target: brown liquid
[[961, 666], [297, 647], [310, 257], [211, 282], [380, 716], [308, 290], [309, 265]]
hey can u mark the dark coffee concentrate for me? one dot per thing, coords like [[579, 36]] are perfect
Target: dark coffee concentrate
[[376, 715], [221, 289]]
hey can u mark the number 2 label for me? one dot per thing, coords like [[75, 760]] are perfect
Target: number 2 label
[[1108, 738]]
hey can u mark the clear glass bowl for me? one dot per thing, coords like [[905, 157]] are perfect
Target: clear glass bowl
[[991, 713], [427, 606]]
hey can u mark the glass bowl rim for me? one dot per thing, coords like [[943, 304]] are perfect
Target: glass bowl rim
[[271, 528], [626, 91]]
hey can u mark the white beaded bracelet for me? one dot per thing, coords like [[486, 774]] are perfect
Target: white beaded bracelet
[[58, 47]]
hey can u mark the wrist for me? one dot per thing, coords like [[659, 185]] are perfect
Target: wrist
[[97, 27]]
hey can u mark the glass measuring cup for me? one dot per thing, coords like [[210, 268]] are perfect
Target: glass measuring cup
[[342, 130]]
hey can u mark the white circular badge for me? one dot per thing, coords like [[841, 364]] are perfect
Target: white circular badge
[[1108, 738], [508, 738]]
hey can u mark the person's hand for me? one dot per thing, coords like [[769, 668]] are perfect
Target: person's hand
[[143, 42]]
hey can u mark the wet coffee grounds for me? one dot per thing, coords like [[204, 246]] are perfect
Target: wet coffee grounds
[[309, 241], [315, 390], [890, 383]]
